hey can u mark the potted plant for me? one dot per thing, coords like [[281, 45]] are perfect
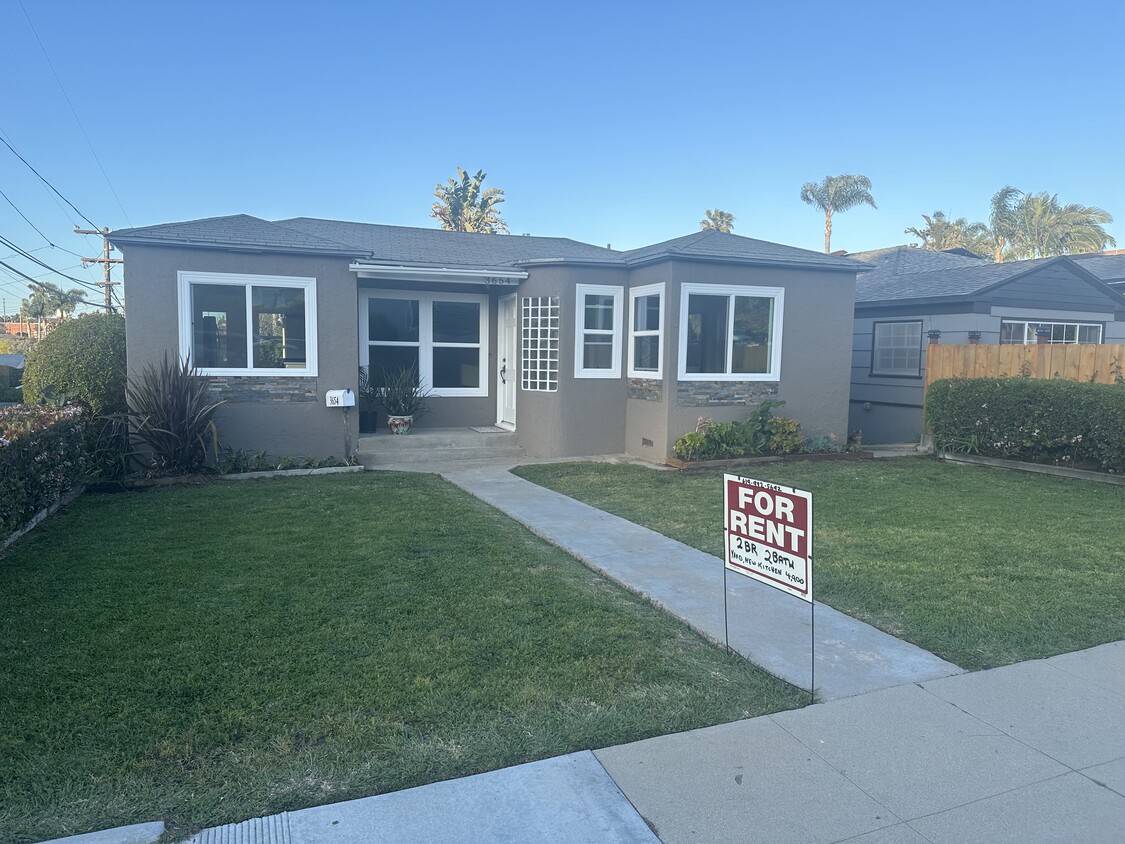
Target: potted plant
[[368, 404], [403, 397]]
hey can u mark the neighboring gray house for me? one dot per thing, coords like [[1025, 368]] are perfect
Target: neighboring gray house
[[912, 292], [580, 350]]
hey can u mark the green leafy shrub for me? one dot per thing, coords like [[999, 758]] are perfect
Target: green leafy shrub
[[84, 358], [1039, 421], [823, 445], [41, 459], [785, 436], [172, 415], [761, 433]]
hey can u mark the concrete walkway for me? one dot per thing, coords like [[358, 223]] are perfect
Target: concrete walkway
[[768, 627]]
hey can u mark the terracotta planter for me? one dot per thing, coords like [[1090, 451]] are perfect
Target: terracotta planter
[[400, 424]]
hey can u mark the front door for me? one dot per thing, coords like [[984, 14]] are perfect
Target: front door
[[507, 372]]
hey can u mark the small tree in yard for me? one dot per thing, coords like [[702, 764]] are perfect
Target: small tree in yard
[[82, 359]]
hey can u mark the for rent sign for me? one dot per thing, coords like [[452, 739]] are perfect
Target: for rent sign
[[769, 533]]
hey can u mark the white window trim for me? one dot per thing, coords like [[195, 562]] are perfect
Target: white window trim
[[185, 279], [636, 293], [1031, 340], [732, 290], [581, 291], [915, 372], [425, 342]]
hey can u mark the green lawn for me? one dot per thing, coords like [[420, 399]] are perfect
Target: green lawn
[[204, 655], [981, 566]]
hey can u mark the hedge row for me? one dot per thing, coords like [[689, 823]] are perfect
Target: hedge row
[[41, 459], [1039, 421]]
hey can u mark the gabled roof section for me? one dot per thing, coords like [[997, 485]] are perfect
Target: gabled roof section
[[895, 261], [966, 281], [239, 232], [434, 247], [1109, 268], [733, 248]]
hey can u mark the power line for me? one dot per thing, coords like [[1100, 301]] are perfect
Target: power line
[[37, 283], [44, 181], [76, 120], [49, 242], [25, 254]]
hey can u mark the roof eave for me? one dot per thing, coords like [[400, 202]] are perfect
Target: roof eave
[[853, 268], [237, 247]]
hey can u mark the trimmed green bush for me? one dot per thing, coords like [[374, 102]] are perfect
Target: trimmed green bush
[[82, 359], [1038, 421], [41, 459]]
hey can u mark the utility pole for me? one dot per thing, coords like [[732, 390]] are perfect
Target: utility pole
[[106, 263]]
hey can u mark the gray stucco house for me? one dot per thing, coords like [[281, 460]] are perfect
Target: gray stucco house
[[911, 292], [580, 350]]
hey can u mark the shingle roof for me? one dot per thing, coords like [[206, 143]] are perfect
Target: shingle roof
[[1109, 268], [436, 248], [400, 244], [720, 246], [896, 261], [239, 231]]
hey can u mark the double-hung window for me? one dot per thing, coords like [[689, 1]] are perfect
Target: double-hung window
[[646, 328], [730, 333], [597, 341], [896, 349], [238, 324], [442, 335]]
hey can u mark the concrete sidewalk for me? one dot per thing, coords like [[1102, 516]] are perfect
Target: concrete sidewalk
[[768, 627]]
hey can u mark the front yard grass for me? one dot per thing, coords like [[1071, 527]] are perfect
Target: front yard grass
[[204, 655], [981, 566]]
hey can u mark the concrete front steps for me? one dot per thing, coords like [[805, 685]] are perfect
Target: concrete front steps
[[437, 446]]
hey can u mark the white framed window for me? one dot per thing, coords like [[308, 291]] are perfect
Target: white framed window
[[730, 332], [539, 343], [896, 349], [443, 335], [646, 331], [1026, 332], [597, 331], [243, 324]]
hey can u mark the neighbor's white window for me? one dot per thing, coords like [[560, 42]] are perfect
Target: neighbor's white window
[[239, 324], [730, 333], [646, 330], [897, 349], [1013, 332], [443, 335], [597, 340]]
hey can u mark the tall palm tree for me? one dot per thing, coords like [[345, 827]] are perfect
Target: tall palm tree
[[837, 193], [1002, 220], [463, 206], [719, 221], [941, 233]]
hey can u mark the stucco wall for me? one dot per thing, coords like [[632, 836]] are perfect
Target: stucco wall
[[585, 415], [282, 420]]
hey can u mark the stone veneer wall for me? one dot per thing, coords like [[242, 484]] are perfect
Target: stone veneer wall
[[722, 393], [646, 389], [287, 389]]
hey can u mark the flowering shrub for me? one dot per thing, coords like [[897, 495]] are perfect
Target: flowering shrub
[[1039, 421], [41, 459]]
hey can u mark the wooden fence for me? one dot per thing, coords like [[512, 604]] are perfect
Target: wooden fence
[[1102, 364]]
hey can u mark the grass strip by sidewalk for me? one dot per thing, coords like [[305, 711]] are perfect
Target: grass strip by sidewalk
[[209, 654], [982, 567]]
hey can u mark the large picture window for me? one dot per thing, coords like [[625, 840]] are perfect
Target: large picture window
[[1015, 332], [730, 333], [597, 341], [646, 330], [443, 335], [248, 324], [896, 349]]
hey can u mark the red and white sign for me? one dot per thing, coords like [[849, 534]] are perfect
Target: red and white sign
[[769, 533]]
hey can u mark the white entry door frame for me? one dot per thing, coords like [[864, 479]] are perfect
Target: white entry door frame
[[507, 373]]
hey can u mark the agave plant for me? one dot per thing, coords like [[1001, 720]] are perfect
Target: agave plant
[[172, 415]]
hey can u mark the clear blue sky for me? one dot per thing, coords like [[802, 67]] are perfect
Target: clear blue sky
[[613, 123]]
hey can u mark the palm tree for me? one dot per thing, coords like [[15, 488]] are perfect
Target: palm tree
[[463, 207], [941, 233], [719, 221], [837, 193], [1035, 225]]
